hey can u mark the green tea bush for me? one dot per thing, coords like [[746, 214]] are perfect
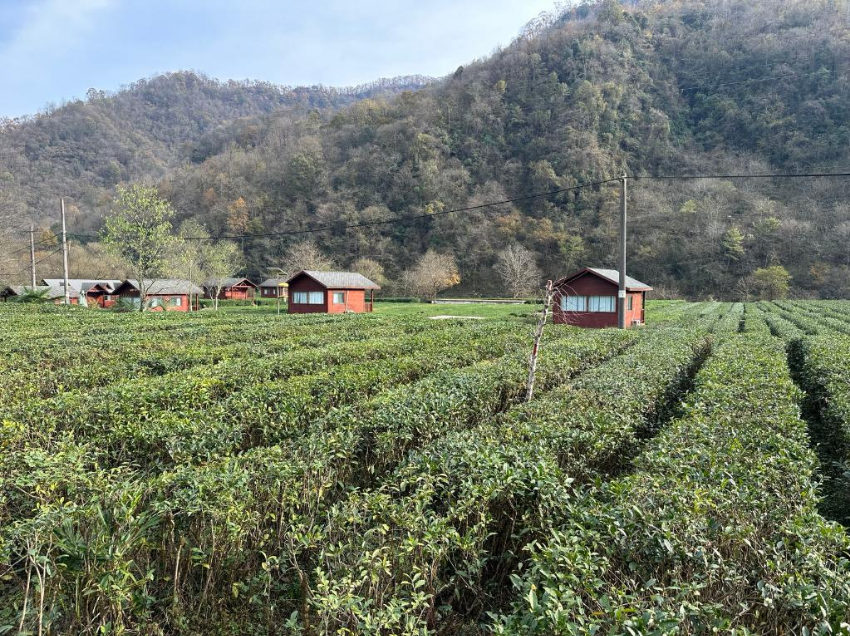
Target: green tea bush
[[716, 530]]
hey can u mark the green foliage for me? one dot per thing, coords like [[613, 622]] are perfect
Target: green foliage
[[32, 295], [239, 472], [772, 282], [717, 529], [139, 231]]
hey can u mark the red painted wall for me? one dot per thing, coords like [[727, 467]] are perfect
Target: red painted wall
[[271, 292], [355, 300], [306, 284], [590, 285]]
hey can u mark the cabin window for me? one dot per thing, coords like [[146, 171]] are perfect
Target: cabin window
[[573, 303], [176, 301], [299, 298], [601, 304], [155, 302], [316, 298], [339, 298], [631, 302]]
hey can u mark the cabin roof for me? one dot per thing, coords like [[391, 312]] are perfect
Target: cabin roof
[[83, 284], [227, 282], [274, 282], [337, 280], [53, 292], [610, 275], [165, 286]]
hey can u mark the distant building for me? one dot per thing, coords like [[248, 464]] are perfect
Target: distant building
[[330, 292], [167, 294], [588, 298], [56, 295], [231, 289], [274, 288], [96, 292]]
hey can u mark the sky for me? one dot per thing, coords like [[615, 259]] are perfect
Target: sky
[[55, 50]]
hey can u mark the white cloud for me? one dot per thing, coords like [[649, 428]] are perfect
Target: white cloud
[[48, 30]]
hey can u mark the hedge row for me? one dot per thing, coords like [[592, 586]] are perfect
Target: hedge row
[[717, 530], [435, 543], [215, 540], [821, 364]]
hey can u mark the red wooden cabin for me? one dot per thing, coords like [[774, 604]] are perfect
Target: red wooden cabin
[[101, 295], [231, 289], [588, 298], [330, 292], [274, 288], [162, 295]]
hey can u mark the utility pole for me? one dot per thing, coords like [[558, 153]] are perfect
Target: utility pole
[[32, 253], [621, 294], [65, 255]]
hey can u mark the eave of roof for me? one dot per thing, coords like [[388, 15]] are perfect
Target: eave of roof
[[608, 275], [337, 280]]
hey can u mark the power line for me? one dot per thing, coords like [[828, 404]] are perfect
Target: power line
[[754, 80], [41, 243], [792, 175], [528, 197], [39, 261], [398, 219]]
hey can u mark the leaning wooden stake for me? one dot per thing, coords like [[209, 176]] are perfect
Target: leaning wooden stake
[[532, 363]]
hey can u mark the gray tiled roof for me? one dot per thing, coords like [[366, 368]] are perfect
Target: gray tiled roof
[[226, 282], [338, 280], [613, 276], [168, 286], [83, 284], [53, 292], [273, 282]]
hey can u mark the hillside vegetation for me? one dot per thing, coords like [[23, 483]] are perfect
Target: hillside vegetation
[[655, 87], [82, 149], [236, 472]]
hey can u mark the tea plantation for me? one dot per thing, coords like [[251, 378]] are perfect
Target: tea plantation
[[236, 472]]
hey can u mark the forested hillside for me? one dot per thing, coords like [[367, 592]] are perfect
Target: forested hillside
[[82, 149], [652, 88]]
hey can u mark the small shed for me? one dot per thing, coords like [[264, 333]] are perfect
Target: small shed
[[231, 288], [330, 292], [274, 288], [164, 294], [588, 298]]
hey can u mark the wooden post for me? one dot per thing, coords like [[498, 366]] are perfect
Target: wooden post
[[32, 253], [535, 350]]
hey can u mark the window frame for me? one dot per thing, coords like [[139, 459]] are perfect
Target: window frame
[[631, 302], [575, 303], [315, 298], [595, 304], [341, 295], [299, 298]]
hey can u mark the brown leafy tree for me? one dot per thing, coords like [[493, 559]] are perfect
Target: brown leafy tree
[[432, 273]]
